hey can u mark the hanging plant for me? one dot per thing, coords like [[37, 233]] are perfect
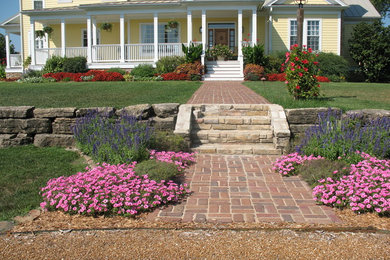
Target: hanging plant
[[40, 33], [48, 30], [173, 24], [106, 27]]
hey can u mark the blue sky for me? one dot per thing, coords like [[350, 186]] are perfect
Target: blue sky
[[8, 8]]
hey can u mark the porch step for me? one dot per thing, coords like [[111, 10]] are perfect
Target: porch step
[[225, 135], [223, 70], [255, 149]]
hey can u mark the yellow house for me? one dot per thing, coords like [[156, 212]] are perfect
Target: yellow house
[[124, 33]]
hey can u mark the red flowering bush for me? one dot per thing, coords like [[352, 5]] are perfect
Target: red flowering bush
[[322, 79], [189, 69], [92, 75], [174, 76], [301, 70], [277, 77], [253, 72]]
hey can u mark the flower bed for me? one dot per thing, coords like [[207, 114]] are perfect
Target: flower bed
[[109, 190], [181, 159], [92, 75], [277, 77], [174, 76]]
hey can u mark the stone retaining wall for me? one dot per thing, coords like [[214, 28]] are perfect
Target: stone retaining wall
[[52, 126]]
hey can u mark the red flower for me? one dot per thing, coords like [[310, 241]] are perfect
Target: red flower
[[298, 87], [310, 50], [300, 74], [296, 58], [305, 61]]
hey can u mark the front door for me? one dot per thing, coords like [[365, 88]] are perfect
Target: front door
[[222, 37]]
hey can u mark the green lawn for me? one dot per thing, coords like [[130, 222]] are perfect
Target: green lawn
[[344, 95], [95, 94], [24, 170]]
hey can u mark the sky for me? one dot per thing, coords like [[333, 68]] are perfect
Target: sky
[[8, 8]]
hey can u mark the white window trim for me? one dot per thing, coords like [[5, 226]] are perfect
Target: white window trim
[[98, 36], [43, 3], [305, 31], [65, 1], [160, 23]]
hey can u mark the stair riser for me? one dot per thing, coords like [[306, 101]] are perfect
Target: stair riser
[[233, 139], [196, 126], [248, 151], [234, 121], [237, 113]]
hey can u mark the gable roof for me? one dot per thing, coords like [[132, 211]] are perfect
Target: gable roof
[[360, 9], [269, 3]]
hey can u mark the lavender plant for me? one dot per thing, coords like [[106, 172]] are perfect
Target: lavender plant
[[114, 141], [335, 137]]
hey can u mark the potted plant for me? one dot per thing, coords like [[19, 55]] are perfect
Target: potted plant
[[220, 52], [173, 24], [48, 30], [40, 33], [106, 27]]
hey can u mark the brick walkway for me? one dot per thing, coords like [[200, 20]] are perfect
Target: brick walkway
[[225, 92], [244, 189]]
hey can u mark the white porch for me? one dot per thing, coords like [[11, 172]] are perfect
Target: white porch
[[14, 61]]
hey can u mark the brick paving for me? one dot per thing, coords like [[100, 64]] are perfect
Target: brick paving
[[225, 92], [228, 188]]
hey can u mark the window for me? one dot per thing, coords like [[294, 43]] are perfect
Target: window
[[311, 34], [165, 34], [84, 37], [38, 4]]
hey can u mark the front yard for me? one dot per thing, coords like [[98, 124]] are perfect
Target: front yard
[[95, 94], [344, 95]]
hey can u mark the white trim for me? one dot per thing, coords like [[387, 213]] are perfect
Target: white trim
[[32, 42], [155, 36], [94, 32], [159, 23], [7, 50], [254, 27], [63, 37], [189, 27], [222, 8], [204, 34], [304, 40], [223, 22], [339, 34], [122, 36], [270, 28], [307, 12], [128, 32], [144, 11], [32, 2], [65, 1], [89, 39]]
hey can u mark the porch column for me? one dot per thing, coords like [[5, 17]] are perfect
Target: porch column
[[189, 27], [155, 36], [7, 50], [204, 34], [32, 43], [89, 39], [94, 32], [240, 58], [128, 32], [254, 27], [122, 37], [63, 38]]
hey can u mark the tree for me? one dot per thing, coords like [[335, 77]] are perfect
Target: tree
[[2, 47], [369, 47], [382, 6]]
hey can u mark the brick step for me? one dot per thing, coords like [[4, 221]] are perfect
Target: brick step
[[255, 149], [231, 136], [235, 113]]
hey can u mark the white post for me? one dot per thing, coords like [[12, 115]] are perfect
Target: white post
[[204, 34], [254, 27], [89, 39], [128, 32], [32, 43], [122, 37], [63, 38], [189, 27], [7, 50], [155, 35], [94, 32], [240, 58]]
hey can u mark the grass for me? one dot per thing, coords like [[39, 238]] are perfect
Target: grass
[[344, 95], [95, 94], [24, 170]]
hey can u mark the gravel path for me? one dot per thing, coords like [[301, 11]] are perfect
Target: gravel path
[[181, 244]]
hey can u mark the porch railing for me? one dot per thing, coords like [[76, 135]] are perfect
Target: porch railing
[[169, 49], [71, 52], [106, 53], [139, 52], [43, 54], [16, 60]]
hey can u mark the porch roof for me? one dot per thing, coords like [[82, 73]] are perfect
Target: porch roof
[[360, 9], [12, 24]]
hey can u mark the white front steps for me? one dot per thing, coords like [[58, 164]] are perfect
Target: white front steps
[[223, 70]]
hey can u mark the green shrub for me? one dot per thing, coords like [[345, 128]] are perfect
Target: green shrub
[[255, 55], [157, 170], [169, 64], [2, 72], [75, 65], [312, 171], [143, 70], [355, 75], [54, 64], [275, 61], [195, 77], [27, 62], [331, 65], [119, 70], [167, 141], [192, 52], [32, 73], [37, 80]]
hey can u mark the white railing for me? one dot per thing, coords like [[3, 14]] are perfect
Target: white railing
[[16, 60], [41, 55], [139, 52], [71, 52], [106, 53], [169, 49]]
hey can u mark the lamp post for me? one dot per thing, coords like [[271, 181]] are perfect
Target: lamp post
[[300, 15]]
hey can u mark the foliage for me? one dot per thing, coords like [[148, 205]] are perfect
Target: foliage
[[143, 70], [48, 30], [322, 79], [118, 70], [25, 169], [288, 164], [332, 65], [75, 65], [255, 55], [27, 62], [3, 53], [189, 69], [173, 24], [169, 64], [36, 80], [193, 52], [128, 77], [220, 50], [32, 73], [109, 190], [181, 159], [167, 141], [2, 72], [195, 77], [92, 75], [157, 170], [121, 140], [174, 76], [54, 64], [383, 6], [301, 73], [274, 64], [157, 78], [365, 189], [369, 47], [277, 77], [335, 136], [106, 27], [253, 72]]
